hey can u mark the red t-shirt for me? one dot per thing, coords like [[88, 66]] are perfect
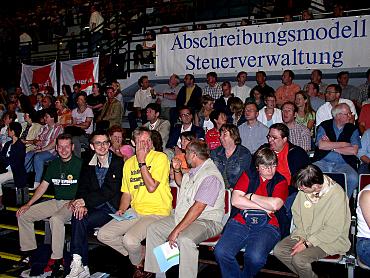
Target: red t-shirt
[[213, 138], [364, 115], [283, 166], [280, 191]]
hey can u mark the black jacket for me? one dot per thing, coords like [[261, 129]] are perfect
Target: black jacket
[[176, 132], [16, 161], [195, 102], [89, 189]]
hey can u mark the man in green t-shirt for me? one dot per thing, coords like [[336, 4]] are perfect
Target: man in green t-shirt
[[63, 173]]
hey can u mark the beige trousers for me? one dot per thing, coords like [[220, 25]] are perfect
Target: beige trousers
[[300, 263], [3, 178], [126, 236], [195, 233], [59, 215]]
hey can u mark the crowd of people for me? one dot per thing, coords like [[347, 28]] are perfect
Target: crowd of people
[[270, 147]]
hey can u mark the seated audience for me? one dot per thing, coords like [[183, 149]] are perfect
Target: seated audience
[[202, 118], [299, 135], [231, 158], [111, 112], [223, 102], [212, 138], [364, 119], [156, 138], [363, 226], [332, 98], [262, 86], [323, 198], [305, 114], [252, 133], [236, 107], [44, 146], [153, 111], [6, 119], [337, 144], [269, 114], [117, 146], [96, 100], [98, 195], [198, 213], [146, 194], [117, 91], [190, 94], [186, 138], [316, 78], [253, 224], [186, 118], [364, 153], [349, 91], [64, 114], [212, 88], [31, 129], [287, 91], [38, 104], [82, 124], [307, 15], [365, 87], [312, 90], [143, 97], [241, 90], [257, 98], [12, 160], [64, 174]]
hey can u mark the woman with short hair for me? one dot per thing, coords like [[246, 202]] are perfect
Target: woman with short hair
[[321, 218], [253, 224]]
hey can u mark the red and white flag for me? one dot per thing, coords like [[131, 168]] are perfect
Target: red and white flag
[[42, 75], [82, 71]]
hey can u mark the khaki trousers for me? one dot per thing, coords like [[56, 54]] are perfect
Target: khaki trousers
[[3, 178], [126, 236], [59, 215], [300, 263], [195, 233]]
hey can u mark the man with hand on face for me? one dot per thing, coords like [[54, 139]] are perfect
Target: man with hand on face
[[64, 173], [198, 214], [98, 195], [145, 194]]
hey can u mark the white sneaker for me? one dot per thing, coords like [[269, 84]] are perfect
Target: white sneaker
[[77, 269], [27, 274], [35, 185]]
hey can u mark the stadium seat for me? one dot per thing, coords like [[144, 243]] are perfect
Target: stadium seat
[[363, 180]]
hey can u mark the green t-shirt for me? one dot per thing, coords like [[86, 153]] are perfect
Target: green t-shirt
[[64, 176]]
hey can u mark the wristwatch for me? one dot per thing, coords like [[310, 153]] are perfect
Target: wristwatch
[[142, 164]]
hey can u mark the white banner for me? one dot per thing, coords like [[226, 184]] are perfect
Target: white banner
[[333, 43], [42, 75], [83, 71]]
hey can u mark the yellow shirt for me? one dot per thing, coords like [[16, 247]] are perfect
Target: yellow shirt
[[189, 91], [160, 201]]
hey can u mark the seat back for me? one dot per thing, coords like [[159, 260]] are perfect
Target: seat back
[[227, 206], [340, 178], [364, 180]]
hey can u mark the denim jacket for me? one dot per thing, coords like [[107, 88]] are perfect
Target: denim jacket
[[231, 168]]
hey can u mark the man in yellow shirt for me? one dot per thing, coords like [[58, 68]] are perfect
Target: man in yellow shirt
[[146, 198]]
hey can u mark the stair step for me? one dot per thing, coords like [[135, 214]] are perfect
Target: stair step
[[15, 228], [9, 256]]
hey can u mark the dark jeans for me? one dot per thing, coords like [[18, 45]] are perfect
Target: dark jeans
[[363, 250], [133, 120], [257, 243], [81, 229]]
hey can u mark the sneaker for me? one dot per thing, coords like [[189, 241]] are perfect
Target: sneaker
[[27, 274], [35, 185], [77, 269], [54, 268]]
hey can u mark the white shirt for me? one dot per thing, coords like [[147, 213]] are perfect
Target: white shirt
[[276, 117], [242, 92], [324, 111], [183, 130], [81, 117], [24, 37], [143, 98], [363, 229]]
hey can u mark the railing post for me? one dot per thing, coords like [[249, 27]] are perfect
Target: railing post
[[129, 54]]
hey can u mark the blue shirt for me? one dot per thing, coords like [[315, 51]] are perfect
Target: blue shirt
[[334, 156], [365, 145]]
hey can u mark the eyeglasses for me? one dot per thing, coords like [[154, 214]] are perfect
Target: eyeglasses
[[267, 167], [268, 137], [100, 144], [345, 114]]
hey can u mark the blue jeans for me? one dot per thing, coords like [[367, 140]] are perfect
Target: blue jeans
[[257, 243], [36, 161], [363, 250], [351, 174], [81, 228]]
